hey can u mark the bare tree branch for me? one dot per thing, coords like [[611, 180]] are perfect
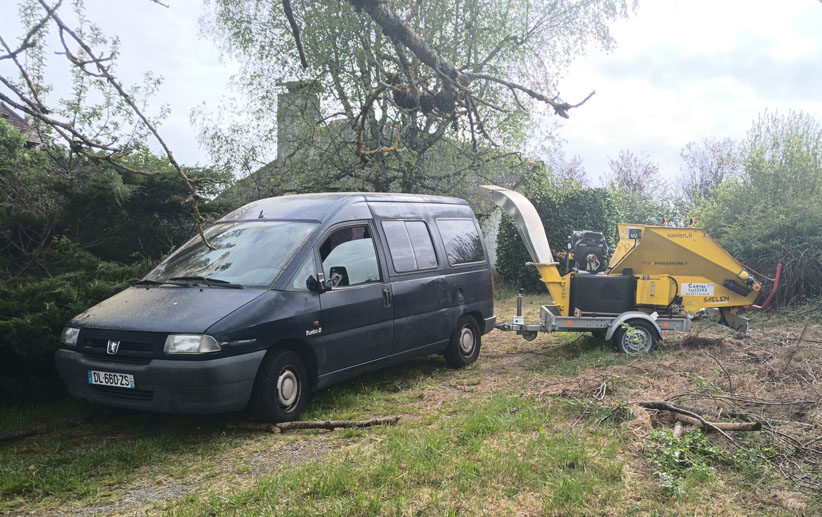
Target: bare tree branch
[[104, 72], [453, 79], [295, 30]]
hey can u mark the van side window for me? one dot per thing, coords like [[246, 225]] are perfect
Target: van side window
[[462, 241], [349, 257], [410, 245], [298, 283]]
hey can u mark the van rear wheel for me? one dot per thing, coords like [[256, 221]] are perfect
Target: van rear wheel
[[464, 345], [281, 388]]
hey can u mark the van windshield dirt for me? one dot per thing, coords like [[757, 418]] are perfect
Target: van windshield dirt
[[244, 254]]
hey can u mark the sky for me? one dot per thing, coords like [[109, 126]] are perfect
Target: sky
[[682, 71], [688, 70]]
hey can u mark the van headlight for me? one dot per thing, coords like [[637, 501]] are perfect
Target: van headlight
[[190, 344], [69, 335]]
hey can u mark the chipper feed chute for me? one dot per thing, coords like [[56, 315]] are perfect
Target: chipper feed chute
[[532, 232]]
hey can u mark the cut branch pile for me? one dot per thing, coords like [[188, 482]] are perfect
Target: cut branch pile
[[766, 381]]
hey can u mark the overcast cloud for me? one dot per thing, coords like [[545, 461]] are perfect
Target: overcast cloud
[[684, 71]]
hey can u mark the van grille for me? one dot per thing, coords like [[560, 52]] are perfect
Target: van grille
[[135, 347], [125, 393]]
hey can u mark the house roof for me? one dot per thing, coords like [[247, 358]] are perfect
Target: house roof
[[19, 123]]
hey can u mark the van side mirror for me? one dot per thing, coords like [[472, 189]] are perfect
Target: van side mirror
[[339, 277], [314, 285]]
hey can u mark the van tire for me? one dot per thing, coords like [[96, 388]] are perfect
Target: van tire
[[281, 388], [641, 339], [464, 345]]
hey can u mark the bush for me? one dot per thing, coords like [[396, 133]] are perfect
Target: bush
[[563, 206], [771, 213], [34, 308], [76, 232]]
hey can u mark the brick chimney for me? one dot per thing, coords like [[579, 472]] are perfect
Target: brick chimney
[[298, 116]]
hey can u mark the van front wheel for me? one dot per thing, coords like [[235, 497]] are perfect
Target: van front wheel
[[281, 388], [464, 345]]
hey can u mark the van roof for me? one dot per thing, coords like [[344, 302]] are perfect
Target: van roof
[[316, 207]]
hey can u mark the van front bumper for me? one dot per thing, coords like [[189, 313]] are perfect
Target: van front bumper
[[170, 386]]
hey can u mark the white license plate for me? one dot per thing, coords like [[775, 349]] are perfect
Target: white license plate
[[120, 380]]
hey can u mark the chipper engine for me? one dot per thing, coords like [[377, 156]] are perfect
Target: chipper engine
[[658, 278]]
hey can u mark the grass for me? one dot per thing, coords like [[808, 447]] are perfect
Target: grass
[[498, 455], [577, 352], [380, 392], [111, 449], [21, 417], [808, 311], [475, 441]]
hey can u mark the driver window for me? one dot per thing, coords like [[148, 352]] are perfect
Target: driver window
[[349, 258]]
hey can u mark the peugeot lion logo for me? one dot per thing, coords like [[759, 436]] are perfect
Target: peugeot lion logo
[[112, 347]]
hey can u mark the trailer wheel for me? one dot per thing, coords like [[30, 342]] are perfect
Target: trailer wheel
[[635, 337], [464, 345], [281, 388]]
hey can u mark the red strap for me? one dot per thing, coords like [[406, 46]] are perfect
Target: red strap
[[773, 291]]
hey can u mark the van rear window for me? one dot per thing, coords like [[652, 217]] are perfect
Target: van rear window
[[462, 241], [410, 245]]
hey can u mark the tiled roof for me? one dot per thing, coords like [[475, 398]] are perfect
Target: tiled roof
[[18, 123]]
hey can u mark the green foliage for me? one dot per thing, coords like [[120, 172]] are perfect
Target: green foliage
[[34, 308], [563, 206], [76, 232], [681, 463], [770, 212], [353, 61], [648, 207]]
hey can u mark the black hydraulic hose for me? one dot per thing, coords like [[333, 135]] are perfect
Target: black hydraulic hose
[[676, 293]]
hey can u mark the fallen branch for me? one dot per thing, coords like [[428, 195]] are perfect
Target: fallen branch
[[313, 424], [337, 424], [725, 426], [667, 406], [745, 400]]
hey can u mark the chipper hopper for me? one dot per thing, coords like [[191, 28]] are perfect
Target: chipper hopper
[[658, 278]]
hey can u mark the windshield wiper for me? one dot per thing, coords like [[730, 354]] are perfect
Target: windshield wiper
[[211, 282], [148, 281]]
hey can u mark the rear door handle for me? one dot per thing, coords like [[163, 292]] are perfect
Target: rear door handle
[[386, 296]]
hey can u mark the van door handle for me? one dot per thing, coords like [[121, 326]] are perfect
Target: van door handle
[[386, 296]]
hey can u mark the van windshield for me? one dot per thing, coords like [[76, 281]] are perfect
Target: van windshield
[[245, 253]]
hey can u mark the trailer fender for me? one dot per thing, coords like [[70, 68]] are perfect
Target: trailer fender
[[631, 315]]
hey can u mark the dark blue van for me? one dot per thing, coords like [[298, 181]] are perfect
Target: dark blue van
[[295, 293]]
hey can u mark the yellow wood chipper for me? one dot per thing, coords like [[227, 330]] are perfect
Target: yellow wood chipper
[[658, 278]]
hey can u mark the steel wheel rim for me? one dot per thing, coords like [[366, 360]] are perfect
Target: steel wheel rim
[[466, 341], [636, 341], [288, 389]]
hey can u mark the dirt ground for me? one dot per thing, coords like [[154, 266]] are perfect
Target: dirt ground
[[772, 375]]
